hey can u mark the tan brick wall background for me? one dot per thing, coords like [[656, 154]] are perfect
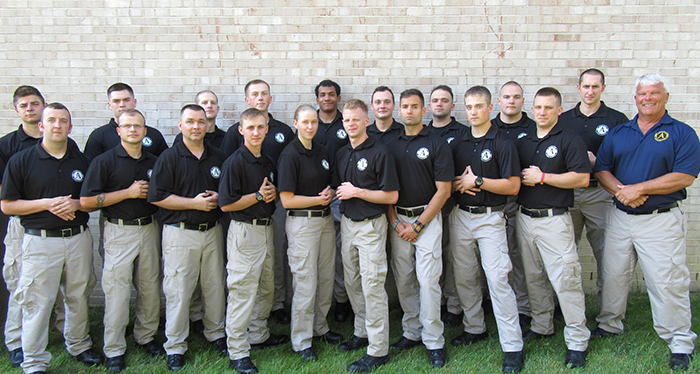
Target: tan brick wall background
[[168, 50]]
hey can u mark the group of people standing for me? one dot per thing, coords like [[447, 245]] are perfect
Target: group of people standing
[[507, 197]]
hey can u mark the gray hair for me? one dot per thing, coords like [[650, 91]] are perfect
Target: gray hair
[[651, 79]]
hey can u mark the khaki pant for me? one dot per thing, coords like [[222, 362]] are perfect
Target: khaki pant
[[485, 233], [131, 257], [417, 268], [658, 242], [364, 262], [282, 273], [447, 280], [311, 256], [550, 257], [517, 276], [47, 264], [190, 256], [12, 265], [340, 295], [251, 285]]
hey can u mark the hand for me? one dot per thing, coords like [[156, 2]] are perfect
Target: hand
[[268, 191], [138, 190], [467, 183], [346, 191], [326, 195], [64, 207], [591, 158], [206, 201], [630, 196], [406, 232], [532, 175]]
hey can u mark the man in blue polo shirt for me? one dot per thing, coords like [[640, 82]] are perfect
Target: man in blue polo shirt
[[646, 164]]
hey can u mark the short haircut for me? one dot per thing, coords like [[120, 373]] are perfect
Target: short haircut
[[194, 107], [512, 83], [23, 91], [57, 106], [120, 87], [479, 91], [592, 71], [196, 97], [131, 112], [549, 91], [651, 79], [255, 81], [414, 92], [327, 83], [444, 88], [251, 113], [303, 108], [356, 104], [382, 89]]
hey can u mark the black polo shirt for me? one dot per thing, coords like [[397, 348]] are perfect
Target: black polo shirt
[[212, 139], [515, 130], [18, 140], [491, 156], [34, 174], [594, 128], [277, 138], [392, 132], [370, 166], [453, 130], [332, 136], [304, 172], [178, 172], [558, 152], [421, 160], [104, 138], [243, 174], [115, 170]]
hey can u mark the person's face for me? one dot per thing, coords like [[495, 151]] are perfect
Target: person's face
[[651, 100], [355, 122], [131, 129], [546, 111], [254, 130], [55, 124], [383, 105], [193, 125], [591, 88], [29, 108], [208, 101], [120, 101], [411, 111], [478, 110], [307, 124], [511, 100], [327, 99], [258, 96], [441, 104]]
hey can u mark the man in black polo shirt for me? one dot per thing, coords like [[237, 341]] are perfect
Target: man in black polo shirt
[[592, 120], [367, 184], [42, 186], [184, 183], [210, 102], [248, 193], [553, 161], [117, 183], [488, 169], [441, 106], [385, 126]]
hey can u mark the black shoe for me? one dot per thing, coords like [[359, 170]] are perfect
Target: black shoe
[[16, 357], [368, 363], [679, 361], [197, 326], [221, 346], [342, 311], [152, 348], [524, 321], [281, 316], [308, 354], [272, 341], [176, 362], [353, 344], [513, 362], [330, 337], [115, 364], [90, 358], [437, 357], [575, 359], [452, 320], [531, 335], [468, 338], [600, 333], [244, 366], [405, 343]]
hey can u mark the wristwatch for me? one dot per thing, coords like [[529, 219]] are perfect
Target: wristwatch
[[478, 182], [259, 196]]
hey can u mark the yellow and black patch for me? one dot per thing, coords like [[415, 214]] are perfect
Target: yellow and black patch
[[661, 136]]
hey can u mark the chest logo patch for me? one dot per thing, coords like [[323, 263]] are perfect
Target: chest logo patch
[[149, 173], [522, 134], [77, 175], [362, 164], [325, 164], [272, 177], [486, 155], [279, 137], [215, 172], [423, 153], [661, 136], [551, 151], [450, 139], [147, 142], [601, 130], [341, 134]]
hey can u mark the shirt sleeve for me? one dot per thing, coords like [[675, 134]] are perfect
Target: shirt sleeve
[[509, 162], [577, 156], [231, 141], [12, 180], [687, 152], [95, 178], [162, 181], [603, 161], [386, 172], [230, 185], [443, 168]]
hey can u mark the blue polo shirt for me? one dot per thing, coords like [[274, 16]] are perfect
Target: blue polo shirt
[[633, 157]]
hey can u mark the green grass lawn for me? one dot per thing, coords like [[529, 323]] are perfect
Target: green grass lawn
[[638, 350]]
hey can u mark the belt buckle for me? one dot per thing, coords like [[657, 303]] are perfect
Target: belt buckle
[[202, 227], [66, 233]]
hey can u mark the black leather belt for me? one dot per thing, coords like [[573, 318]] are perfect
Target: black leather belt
[[538, 213], [143, 221], [481, 209], [206, 226], [366, 219], [59, 233], [259, 222], [309, 213], [593, 183], [410, 212], [665, 209]]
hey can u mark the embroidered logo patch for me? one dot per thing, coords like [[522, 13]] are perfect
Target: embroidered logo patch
[[486, 155], [522, 134], [601, 130], [551, 151], [147, 142], [215, 172], [279, 137], [325, 164], [149, 173], [423, 153], [77, 175], [661, 136], [341, 134], [450, 139], [362, 164]]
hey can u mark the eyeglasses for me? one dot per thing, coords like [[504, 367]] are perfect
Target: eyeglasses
[[135, 127]]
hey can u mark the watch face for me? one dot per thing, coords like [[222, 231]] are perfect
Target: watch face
[[259, 196], [479, 181]]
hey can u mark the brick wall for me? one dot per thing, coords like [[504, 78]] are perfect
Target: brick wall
[[169, 50]]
